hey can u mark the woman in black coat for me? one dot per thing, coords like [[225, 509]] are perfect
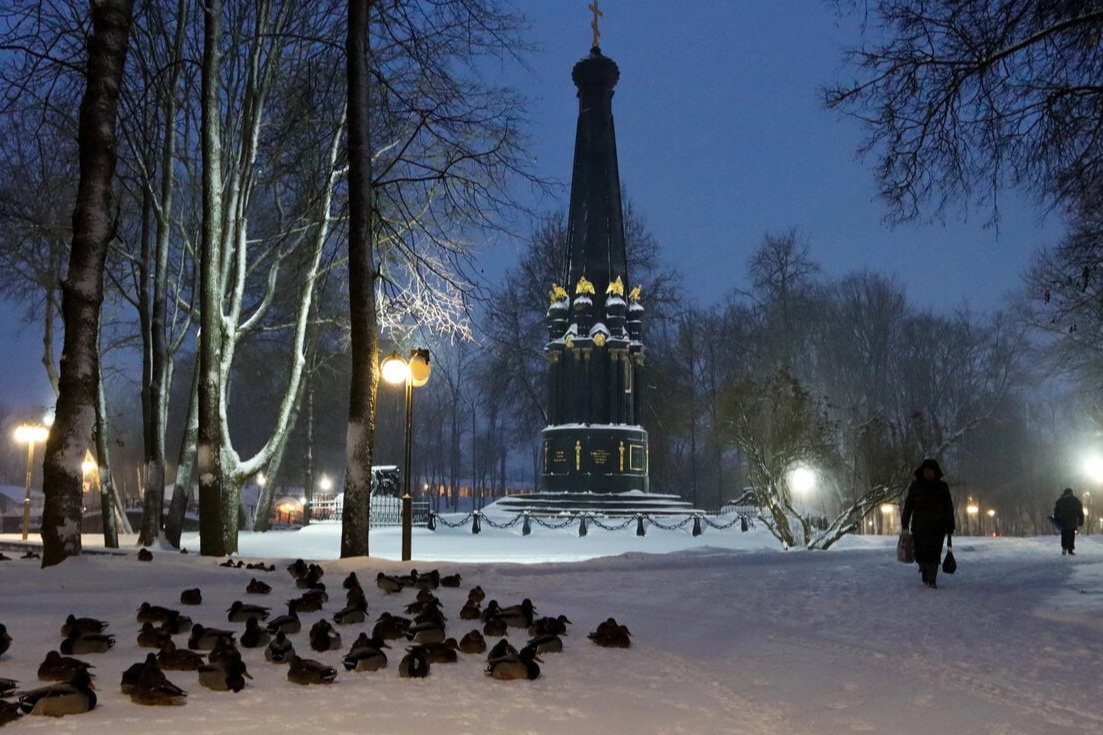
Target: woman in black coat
[[929, 512]]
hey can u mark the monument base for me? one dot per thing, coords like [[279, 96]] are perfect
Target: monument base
[[593, 458]]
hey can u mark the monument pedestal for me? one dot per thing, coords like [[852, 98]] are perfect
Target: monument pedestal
[[588, 458]]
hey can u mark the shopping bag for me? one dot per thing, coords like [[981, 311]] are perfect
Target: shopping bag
[[905, 548], [949, 564]]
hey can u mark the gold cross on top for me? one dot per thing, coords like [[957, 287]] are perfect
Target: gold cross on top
[[593, 24]]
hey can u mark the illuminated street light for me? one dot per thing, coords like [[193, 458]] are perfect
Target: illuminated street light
[[1093, 466], [413, 372], [325, 484], [802, 480], [30, 434], [261, 480]]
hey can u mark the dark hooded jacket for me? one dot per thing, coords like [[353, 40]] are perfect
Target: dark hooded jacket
[[928, 508], [1069, 511]]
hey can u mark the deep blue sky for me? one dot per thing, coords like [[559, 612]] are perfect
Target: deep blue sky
[[722, 138]]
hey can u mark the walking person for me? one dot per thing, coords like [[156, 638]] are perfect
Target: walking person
[[929, 513], [1069, 514]]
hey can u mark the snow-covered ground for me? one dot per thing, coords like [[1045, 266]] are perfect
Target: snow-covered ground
[[730, 635]]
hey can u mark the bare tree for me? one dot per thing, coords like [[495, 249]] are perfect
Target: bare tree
[[82, 290], [961, 99], [364, 332]]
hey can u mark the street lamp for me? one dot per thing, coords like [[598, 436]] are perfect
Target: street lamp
[[992, 514], [325, 484], [971, 510], [29, 434], [886, 517], [412, 371], [802, 480]]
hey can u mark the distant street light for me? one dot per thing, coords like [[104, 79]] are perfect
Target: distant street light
[[971, 511], [412, 371], [886, 516], [325, 484], [992, 514], [261, 480], [30, 434], [802, 480]]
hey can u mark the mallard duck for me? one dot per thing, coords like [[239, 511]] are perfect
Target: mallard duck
[[441, 653], [297, 569], [452, 580], [351, 581], [145, 555], [491, 611], [153, 689], [549, 626], [521, 666], [306, 671], [5, 638], [611, 634], [155, 613], [495, 627], [226, 676], [323, 637], [366, 654], [223, 651], [204, 639], [56, 667], [257, 587], [176, 623], [414, 665], [427, 632], [77, 643], [471, 611], [312, 580], [547, 644], [261, 566], [239, 612], [408, 580], [390, 627], [279, 649], [254, 635], [134, 671], [389, 585], [150, 637], [81, 625], [60, 699], [428, 581], [501, 649], [9, 711], [312, 601], [473, 642], [191, 597], [7, 686], [353, 613], [172, 658], [30, 555], [289, 623], [518, 616], [476, 594]]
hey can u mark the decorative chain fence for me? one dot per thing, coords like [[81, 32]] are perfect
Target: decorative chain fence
[[642, 521]]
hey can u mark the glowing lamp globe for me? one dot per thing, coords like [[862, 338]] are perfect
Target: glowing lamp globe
[[802, 480], [394, 369]]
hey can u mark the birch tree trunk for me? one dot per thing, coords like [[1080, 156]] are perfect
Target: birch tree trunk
[[82, 289], [362, 314], [108, 507], [185, 465]]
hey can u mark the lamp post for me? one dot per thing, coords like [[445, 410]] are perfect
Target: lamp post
[[887, 509], [412, 371], [992, 515], [971, 511], [29, 434]]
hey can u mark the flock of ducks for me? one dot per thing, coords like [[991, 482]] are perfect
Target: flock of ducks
[[215, 653]]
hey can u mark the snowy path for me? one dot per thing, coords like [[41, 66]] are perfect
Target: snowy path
[[725, 641]]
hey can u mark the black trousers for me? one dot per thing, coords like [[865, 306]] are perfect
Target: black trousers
[[1068, 539]]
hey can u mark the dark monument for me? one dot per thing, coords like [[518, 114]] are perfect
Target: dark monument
[[594, 451], [594, 442]]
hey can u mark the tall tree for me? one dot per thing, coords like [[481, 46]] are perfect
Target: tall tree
[[364, 327], [961, 98], [82, 289]]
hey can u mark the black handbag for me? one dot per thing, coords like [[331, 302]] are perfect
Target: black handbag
[[949, 564]]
